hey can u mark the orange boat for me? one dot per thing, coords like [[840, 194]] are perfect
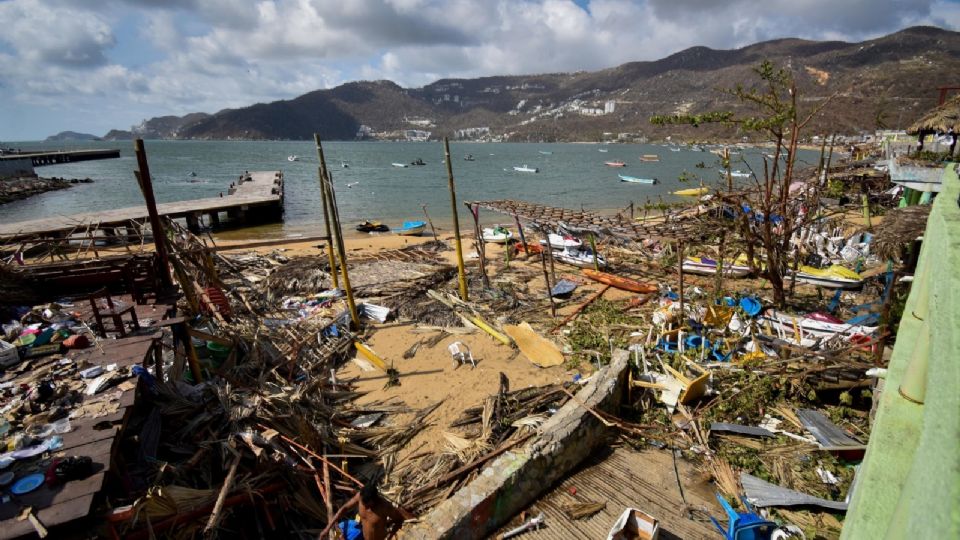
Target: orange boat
[[626, 284]]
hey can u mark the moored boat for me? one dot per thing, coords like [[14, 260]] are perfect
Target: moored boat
[[620, 282], [604, 150], [411, 228], [649, 158], [372, 226], [468, 157], [740, 174], [293, 157], [497, 235], [708, 267], [524, 168], [614, 164], [546, 152], [399, 165], [636, 179], [418, 162]]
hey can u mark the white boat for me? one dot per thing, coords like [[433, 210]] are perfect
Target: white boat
[[546, 152], [810, 327], [344, 165], [400, 165], [634, 524], [558, 241], [581, 257], [604, 150], [497, 235], [636, 179], [674, 149], [708, 267], [293, 158], [740, 174], [526, 169]]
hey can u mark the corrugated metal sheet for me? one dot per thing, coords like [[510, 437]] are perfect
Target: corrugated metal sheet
[[826, 432], [762, 494], [622, 478]]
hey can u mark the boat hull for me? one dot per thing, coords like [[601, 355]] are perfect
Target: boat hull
[[814, 327], [636, 180], [622, 283], [706, 269]]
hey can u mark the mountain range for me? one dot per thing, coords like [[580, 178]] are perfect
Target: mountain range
[[882, 83]]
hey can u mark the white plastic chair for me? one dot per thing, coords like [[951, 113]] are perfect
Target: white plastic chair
[[461, 354]]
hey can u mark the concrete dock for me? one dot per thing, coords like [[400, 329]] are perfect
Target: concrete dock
[[40, 158], [259, 197]]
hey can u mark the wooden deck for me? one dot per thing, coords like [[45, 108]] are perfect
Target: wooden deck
[[262, 192], [93, 435], [623, 478]]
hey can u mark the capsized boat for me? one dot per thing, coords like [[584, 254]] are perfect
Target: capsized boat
[[634, 525], [399, 165], [692, 192], [562, 241], [708, 267], [581, 257], [614, 164], [372, 226], [636, 179], [411, 228], [813, 325], [524, 168], [833, 277], [620, 282], [497, 235]]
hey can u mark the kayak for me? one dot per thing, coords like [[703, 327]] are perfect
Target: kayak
[[692, 192], [619, 282]]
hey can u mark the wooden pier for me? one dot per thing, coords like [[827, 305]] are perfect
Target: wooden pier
[[41, 158], [256, 196]]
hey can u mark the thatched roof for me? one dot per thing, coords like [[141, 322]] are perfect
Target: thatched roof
[[942, 119], [900, 227]]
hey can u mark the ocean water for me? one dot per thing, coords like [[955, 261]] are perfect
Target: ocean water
[[571, 176]]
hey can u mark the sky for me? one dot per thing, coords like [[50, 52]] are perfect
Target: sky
[[95, 65]]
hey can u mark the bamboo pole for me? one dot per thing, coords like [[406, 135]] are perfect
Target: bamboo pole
[[523, 239], [546, 279], [326, 223], [338, 232], [224, 491], [553, 270], [146, 187], [461, 270], [593, 246], [680, 268], [475, 212]]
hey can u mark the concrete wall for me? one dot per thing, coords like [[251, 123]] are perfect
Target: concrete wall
[[517, 478], [909, 485], [10, 168]]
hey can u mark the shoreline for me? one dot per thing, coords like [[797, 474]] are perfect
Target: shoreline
[[24, 187]]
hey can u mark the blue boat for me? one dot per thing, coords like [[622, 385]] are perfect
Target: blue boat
[[411, 228], [636, 180]]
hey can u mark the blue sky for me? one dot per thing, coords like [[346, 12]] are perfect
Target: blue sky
[[95, 65]]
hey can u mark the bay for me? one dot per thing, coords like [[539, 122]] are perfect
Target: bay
[[570, 175]]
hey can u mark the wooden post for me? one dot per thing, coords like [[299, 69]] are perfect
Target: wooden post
[[523, 239], [679, 246], [481, 251], [430, 222], [553, 271], [341, 250], [326, 223], [546, 279], [506, 251], [461, 270], [593, 246], [146, 187]]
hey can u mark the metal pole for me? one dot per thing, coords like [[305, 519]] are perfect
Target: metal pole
[[159, 237], [456, 221], [338, 232]]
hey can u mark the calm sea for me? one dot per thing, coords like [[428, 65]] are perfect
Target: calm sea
[[571, 175]]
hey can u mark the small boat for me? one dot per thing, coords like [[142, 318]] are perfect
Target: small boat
[[293, 158], [636, 179], [558, 241], [740, 174], [692, 192], [351, 184], [834, 277], [581, 257], [546, 152], [649, 158], [497, 235], [418, 162], [192, 174], [563, 288], [811, 325], [468, 157], [619, 282], [526, 169], [399, 165], [614, 164], [634, 525], [411, 228], [372, 226], [604, 150], [344, 165], [708, 267], [674, 149]]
